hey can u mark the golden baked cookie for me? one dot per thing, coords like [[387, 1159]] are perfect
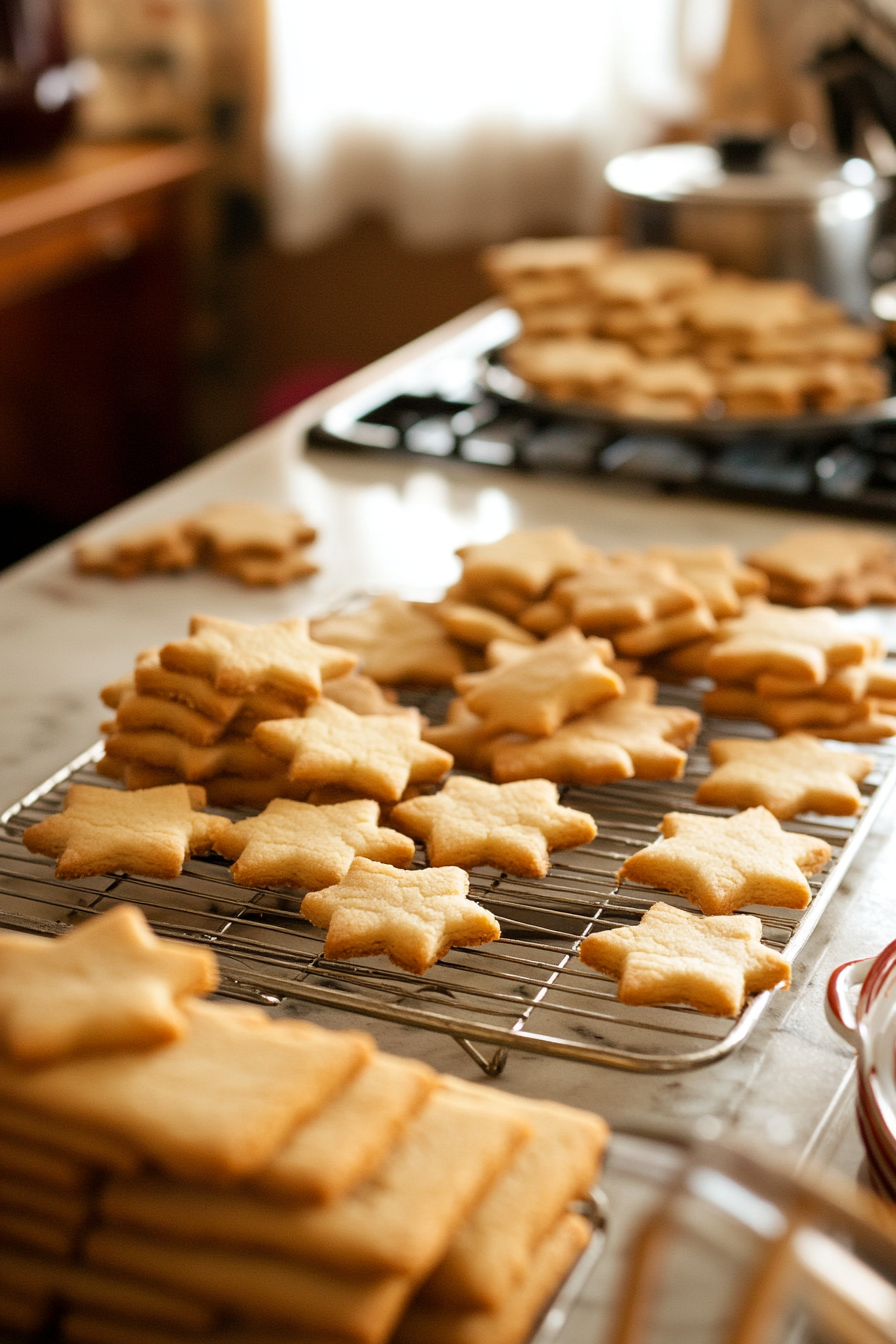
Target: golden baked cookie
[[294, 844], [108, 984], [673, 957], [792, 774], [413, 918], [241, 659], [536, 693], [624, 738], [378, 755], [527, 562], [395, 642], [149, 833], [236, 528], [722, 864], [608, 596], [806, 645], [508, 826]]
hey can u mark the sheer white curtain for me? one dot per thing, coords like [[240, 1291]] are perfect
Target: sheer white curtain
[[470, 120]]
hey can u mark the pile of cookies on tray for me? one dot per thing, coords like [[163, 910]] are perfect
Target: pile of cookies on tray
[[250, 542], [175, 1169], [657, 333], [537, 639]]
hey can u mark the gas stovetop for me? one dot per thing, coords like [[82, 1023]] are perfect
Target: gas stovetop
[[445, 405]]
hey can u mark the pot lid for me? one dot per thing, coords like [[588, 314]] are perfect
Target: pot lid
[[784, 176]]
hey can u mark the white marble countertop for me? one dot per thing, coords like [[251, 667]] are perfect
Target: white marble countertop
[[393, 524]]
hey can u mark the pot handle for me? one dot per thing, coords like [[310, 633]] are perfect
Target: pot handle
[[837, 1007]]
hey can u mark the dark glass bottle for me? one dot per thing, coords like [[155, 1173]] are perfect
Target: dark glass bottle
[[36, 88]]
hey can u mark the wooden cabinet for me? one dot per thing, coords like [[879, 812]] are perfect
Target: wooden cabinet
[[91, 324]]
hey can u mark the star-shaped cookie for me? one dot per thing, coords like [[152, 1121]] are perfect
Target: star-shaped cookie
[[508, 826], [477, 626], [109, 984], [298, 845], [239, 659], [724, 863], [804, 645], [376, 754], [789, 775], [233, 754], [462, 735], [614, 595], [413, 917], [527, 562], [624, 738], [149, 833], [537, 692], [673, 957], [397, 643], [716, 572], [362, 695], [244, 525]]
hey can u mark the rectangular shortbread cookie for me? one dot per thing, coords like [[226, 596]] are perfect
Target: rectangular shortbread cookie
[[400, 1221], [218, 1103], [351, 1136]]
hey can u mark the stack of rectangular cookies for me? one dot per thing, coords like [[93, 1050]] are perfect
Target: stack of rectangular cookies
[[657, 333], [269, 1182]]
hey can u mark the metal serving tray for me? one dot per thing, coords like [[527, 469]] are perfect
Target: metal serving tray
[[527, 991]]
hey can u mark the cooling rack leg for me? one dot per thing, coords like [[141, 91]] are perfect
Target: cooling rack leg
[[493, 1067]]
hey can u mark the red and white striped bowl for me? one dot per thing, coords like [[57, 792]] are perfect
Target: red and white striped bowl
[[871, 1029]]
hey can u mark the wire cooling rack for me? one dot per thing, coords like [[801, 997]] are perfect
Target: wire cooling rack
[[527, 990]]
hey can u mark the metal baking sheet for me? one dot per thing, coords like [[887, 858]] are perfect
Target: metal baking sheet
[[526, 991], [500, 382]]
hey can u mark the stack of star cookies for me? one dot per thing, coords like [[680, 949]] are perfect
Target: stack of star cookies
[[233, 705], [801, 669], [189, 710], [657, 333], [812, 567], [565, 711], [179, 1170], [251, 542]]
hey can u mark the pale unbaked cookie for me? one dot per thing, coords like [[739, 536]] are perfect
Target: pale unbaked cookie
[[294, 844], [507, 826], [792, 774], [413, 918], [673, 957], [724, 863], [150, 833]]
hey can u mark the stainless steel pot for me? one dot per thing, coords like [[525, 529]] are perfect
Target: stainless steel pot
[[797, 215]]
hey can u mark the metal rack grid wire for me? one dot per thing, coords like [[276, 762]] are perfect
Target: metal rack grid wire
[[527, 990]]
